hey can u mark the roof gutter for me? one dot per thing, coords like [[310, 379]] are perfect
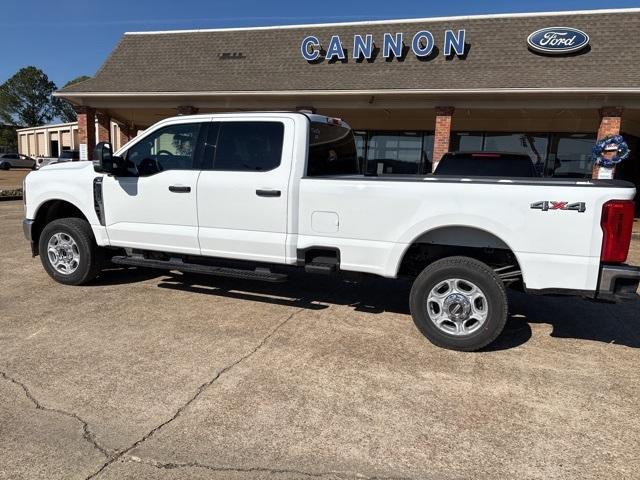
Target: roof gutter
[[588, 90]]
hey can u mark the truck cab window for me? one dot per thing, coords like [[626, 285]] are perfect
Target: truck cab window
[[249, 146], [170, 148], [332, 150]]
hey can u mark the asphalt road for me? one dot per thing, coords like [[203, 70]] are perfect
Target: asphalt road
[[146, 375]]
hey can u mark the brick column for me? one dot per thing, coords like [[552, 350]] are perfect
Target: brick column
[[125, 133], [610, 123], [442, 134], [86, 129], [104, 128], [187, 110]]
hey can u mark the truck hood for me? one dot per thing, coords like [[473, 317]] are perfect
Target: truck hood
[[78, 165]]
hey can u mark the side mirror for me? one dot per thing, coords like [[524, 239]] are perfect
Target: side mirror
[[103, 158]]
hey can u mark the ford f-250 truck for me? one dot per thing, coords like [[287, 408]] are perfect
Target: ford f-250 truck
[[272, 191]]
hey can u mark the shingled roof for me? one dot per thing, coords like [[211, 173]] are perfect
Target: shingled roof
[[269, 59]]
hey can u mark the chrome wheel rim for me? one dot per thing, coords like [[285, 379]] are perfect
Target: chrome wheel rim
[[457, 307], [63, 253]]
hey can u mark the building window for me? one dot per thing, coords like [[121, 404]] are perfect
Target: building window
[[565, 155], [570, 155], [532, 144], [395, 153], [361, 149], [467, 142], [535, 145]]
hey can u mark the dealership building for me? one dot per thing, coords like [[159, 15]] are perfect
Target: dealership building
[[544, 84]]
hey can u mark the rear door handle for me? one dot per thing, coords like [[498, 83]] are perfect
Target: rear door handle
[[268, 193], [179, 189]]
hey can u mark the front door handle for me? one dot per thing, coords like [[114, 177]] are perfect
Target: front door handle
[[179, 189], [268, 193]]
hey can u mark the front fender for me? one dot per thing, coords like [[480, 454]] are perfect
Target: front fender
[[74, 186]]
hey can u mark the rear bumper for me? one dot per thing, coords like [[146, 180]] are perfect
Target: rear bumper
[[618, 283]]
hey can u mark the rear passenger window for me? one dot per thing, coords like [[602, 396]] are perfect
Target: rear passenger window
[[249, 146], [332, 150]]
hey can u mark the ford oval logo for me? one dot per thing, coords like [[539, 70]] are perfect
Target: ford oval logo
[[558, 40]]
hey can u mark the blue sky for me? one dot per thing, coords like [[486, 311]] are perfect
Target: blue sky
[[73, 37]]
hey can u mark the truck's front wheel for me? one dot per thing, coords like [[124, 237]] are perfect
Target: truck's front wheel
[[459, 303], [68, 251]]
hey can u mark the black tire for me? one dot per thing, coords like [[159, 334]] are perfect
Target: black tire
[[79, 230], [468, 270], [5, 165]]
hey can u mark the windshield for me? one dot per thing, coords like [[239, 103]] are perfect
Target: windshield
[[332, 150]]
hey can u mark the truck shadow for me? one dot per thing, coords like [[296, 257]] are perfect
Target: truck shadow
[[617, 324], [570, 317], [116, 275], [312, 292]]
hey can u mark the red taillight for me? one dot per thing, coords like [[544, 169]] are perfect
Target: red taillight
[[617, 225]]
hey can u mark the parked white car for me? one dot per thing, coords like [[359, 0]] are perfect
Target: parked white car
[[16, 160], [274, 191], [65, 156]]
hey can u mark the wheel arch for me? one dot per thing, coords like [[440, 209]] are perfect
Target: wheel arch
[[50, 210], [451, 240]]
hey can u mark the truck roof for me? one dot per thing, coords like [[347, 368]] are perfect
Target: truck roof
[[313, 117]]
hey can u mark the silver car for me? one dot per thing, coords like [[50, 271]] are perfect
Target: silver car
[[13, 160]]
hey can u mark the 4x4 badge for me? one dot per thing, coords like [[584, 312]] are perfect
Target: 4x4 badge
[[553, 205]]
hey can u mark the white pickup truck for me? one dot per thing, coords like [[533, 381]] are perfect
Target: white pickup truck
[[251, 195]]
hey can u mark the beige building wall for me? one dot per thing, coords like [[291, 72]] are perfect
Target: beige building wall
[[66, 140], [36, 141], [23, 144], [32, 142], [40, 143]]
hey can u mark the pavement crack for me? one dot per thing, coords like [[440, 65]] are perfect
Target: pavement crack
[[87, 435], [111, 459], [269, 470]]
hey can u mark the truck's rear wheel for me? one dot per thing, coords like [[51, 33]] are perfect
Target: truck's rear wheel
[[68, 251], [459, 303]]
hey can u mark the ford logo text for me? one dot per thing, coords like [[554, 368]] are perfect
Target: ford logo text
[[558, 40]]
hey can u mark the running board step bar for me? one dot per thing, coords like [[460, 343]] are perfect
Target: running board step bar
[[322, 268], [262, 274]]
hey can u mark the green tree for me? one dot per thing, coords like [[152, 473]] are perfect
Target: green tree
[[8, 138], [64, 109], [25, 99]]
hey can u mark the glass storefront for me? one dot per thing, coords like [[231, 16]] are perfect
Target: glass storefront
[[565, 155], [553, 154], [570, 155], [395, 153]]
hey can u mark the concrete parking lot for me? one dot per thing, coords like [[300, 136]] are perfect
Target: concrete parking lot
[[153, 375]]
